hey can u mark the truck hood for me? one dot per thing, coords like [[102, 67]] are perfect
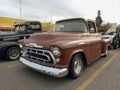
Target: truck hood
[[54, 38]]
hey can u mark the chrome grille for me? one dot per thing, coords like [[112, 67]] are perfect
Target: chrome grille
[[39, 54]]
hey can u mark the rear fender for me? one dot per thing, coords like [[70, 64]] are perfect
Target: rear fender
[[105, 44]]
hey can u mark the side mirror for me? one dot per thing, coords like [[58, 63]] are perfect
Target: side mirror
[[92, 30]]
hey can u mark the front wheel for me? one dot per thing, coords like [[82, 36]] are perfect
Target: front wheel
[[76, 66], [13, 53]]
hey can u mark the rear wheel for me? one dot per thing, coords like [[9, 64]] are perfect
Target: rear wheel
[[13, 53], [76, 66]]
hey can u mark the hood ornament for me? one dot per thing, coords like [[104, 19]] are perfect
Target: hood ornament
[[34, 45]]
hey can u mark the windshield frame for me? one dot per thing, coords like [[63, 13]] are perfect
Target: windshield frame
[[71, 21]]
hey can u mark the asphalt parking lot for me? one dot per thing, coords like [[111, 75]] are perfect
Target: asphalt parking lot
[[104, 74]]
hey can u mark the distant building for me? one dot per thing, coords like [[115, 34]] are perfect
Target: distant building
[[112, 28], [118, 28]]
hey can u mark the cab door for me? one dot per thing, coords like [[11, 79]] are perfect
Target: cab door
[[96, 45]]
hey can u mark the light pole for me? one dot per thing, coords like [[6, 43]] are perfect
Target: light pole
[[50, 22], [20, 10], [51, 18]]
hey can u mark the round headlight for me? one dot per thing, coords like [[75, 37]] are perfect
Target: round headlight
[[56, 51]]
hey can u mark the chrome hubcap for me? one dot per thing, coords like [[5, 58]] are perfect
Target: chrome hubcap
[[14, 54], [77, 66]]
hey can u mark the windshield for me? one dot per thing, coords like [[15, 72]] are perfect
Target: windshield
[[71, 26], [20, 29], [27, 28]]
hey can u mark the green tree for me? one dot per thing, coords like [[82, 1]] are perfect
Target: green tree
[[98, 19], [101, 27]]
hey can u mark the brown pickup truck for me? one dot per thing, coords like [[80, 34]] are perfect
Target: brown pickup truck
[[73, 44]]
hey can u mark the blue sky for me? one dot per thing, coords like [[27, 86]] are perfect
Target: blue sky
[[47, 10]]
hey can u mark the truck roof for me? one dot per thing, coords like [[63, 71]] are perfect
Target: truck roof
[[26, 23], [75, 19]]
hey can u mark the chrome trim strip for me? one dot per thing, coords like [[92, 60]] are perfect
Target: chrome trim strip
[[33, 45]]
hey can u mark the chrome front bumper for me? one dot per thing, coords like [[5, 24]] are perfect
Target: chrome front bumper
[[56, 72]]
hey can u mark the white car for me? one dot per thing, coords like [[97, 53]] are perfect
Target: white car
[[112, 37]]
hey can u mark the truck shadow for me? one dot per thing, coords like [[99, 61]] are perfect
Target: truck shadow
[[45, 81], [40, 75], [37, 75]]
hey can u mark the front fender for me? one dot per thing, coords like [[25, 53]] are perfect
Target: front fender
[[67, 54], [75, 52]]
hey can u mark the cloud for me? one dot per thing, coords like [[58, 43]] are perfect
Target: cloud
[[45, 10], [8, 8], [37, 9]]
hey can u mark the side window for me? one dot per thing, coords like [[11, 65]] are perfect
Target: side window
[[91, 26], [35, 27]]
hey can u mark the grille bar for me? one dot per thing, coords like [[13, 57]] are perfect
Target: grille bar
[[37, 58], [40, 54]]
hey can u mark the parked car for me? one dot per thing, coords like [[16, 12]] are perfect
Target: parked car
[[113, 36], [9, 47], [73, 44]]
